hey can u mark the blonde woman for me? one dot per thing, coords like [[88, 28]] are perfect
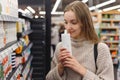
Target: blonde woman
[[81, 64]]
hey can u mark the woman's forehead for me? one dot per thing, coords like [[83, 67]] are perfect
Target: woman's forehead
[[70, 15]]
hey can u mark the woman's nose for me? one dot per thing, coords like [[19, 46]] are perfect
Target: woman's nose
[[68, 26]]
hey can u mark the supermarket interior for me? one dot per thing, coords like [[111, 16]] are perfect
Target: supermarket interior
[[30, 30]]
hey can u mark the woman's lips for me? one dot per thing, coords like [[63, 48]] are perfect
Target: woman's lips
[[71, 32]]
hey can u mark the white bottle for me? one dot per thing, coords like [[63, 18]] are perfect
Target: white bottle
[[66, 42]]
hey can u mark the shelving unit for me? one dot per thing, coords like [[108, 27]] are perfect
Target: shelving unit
[[27, 68], [38, 37], [8, 38], [14, 38], [23, 34], [8, 18], [109, 34], [14, 74], [29, 76]]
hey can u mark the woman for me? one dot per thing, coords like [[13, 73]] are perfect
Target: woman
[[81, 64]]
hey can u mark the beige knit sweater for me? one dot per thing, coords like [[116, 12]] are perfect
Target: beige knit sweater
[[83, 51]]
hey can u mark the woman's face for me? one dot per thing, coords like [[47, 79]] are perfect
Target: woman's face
[[72, 25]]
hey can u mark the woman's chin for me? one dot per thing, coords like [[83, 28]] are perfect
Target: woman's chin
[[72, 36]]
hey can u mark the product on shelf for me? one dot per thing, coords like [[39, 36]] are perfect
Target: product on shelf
[[9, 7], [19, 49]]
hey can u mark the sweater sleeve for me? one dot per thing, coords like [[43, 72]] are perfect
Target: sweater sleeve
[[104, 64], [53, 73]]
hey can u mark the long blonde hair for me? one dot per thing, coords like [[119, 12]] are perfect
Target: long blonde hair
[[83, 15]]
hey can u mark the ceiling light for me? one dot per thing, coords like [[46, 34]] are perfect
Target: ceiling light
[[42, 12], [92, 8], [31, 9], [53, 13], [84, 1], [102, 4], [57, 13], [119, 10], [105, 3], [56, 5], [111, 8], [27, 11], [36, 16]]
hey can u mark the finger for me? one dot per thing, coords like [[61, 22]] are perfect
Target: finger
[[67, 64], [63, 57], [62, 49], [68, 56], [64, 52]]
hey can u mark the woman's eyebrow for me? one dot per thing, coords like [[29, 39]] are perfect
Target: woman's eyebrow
[[74, 20], [71, 20]]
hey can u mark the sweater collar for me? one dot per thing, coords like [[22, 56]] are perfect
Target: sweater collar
[[78, 42]]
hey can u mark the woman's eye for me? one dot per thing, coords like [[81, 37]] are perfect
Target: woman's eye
[[74, 22], [65, 22]]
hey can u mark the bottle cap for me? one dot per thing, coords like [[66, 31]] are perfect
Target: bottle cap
[[65, 31]]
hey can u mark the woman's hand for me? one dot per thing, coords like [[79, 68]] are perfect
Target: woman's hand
[[61, 58], [67, 60], [62, 55]]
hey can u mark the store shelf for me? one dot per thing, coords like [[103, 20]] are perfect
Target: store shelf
[[106, 20], [109, 34], [29, 60], [113, 48], [10, 47], [112, 19], [25, 48], [40, 59], [111, 41], [109, 30], [24, 33], [19, 69], [14, 73], [26, 67], [27, 32], [8, 18], [108, 27], [29, 74]]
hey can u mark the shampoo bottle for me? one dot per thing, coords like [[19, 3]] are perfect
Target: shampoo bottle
[[66, 41]]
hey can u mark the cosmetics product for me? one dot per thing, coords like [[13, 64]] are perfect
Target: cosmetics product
[[66, 41]]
